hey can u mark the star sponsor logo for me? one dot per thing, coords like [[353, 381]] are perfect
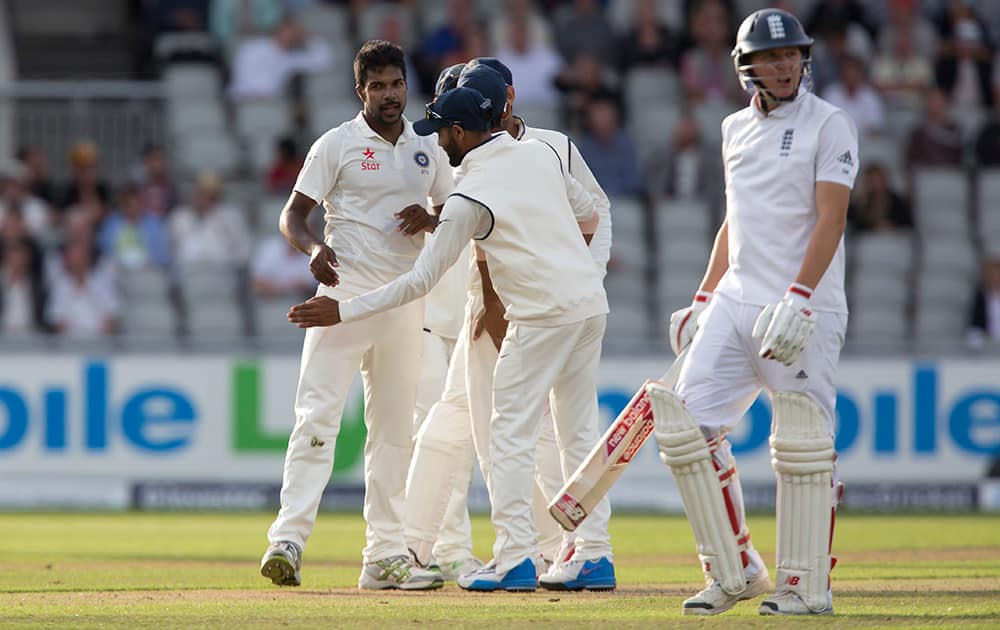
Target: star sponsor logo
[[369, 163]]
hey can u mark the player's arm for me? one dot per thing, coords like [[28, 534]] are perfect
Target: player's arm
[[491, 319], [831, 209], [600, 244], [584, 206], [718, 262], [414, 219], [294, 227], [462, 220]]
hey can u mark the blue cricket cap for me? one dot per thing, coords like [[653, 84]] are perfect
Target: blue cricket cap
[[496, 64], [462, 106], [489, 83]]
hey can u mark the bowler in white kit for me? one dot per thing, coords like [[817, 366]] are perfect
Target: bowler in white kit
[[770, 314]]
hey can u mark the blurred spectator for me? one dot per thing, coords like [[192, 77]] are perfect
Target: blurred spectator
[[280, 270], [22, 292], [284, 170], [838, 16], [854, 95], [937, 139], [964, 68], [15, 197], [649, 42], [83, 302], [133, 236], [170, 16], [988, 139], [687, 168], [539, 30], [262, 66], [581, 83], [904, 17], [209, 231], [533, 64], [984, 320], [903, 73], [446, 41], [85, 185], [707, 69], [583, 28], [156, 188], [609, 151], [875, 207], [37, 177], [232, 21]]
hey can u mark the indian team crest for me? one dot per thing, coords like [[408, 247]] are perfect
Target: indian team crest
[[422, 161]]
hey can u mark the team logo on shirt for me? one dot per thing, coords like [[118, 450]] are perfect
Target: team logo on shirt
[[422, 161], [369, 163], [786, 142], [846, 158]]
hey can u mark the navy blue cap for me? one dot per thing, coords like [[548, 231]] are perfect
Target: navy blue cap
[[462, 106], [489, 83], [448, 79], [496, 64]]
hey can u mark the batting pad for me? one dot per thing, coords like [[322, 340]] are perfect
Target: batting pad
[[683, 448], [802, 455]]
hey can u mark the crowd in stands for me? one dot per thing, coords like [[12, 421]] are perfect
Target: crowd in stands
[[920, 78]]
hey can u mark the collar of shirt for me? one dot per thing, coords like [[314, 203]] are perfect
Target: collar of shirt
[[522, 128], [782, 111], [366, 131]]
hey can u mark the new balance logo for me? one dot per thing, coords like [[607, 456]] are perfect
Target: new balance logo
[[786, 142], [776, 26], [846, 159], [802, 375]]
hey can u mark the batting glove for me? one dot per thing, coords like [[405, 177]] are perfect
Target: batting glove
[[684, 322], [786, 327]]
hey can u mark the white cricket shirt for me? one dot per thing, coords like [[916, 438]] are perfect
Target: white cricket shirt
[[539, 263], [772, 164], [362, 180]]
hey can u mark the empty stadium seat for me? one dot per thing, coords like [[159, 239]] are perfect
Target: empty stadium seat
[[941, 202], [183, 81], [883, 250]]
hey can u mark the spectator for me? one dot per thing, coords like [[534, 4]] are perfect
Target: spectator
[[171, 16], [984, 320], [284, 170], [446, 41], [533, 64], [649, 42], [988, 139], [937, 140], [37, 174], [280, 270], [853, 94], [904, 17], [688, 168], [875, 207], [133, 236], [581, 83], [22, 292], [609, 151], [539, 30], [85, 185], [15, 197], [232, 21], [263, 66], [838, 16], [583, 28], [208, 231], [902, 73], [707, 69], [964, 67], [83, 303], [156, 188]]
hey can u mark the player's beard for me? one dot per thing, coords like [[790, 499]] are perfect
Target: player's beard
[[391, 116], [454, 151]]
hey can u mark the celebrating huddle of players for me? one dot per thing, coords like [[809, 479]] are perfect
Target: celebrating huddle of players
[[498, 363]]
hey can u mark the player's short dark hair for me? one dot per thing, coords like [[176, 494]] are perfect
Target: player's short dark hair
[[375, 54]]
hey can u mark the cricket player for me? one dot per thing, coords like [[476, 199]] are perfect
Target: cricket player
[[770, 313], [444, 435], [553, 342], [369, 173]]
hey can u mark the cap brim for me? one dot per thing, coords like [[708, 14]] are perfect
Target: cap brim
[[426, 127]]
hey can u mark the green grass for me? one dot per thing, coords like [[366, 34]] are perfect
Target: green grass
[[200, 570]]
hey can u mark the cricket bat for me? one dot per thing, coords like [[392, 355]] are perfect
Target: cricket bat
[[609, 457]]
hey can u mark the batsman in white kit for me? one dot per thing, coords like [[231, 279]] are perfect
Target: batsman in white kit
[[373, 175], [770, 314], [534, 248]]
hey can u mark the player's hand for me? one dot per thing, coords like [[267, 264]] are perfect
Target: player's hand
[[491, 320], [684, 322], [316, 311], [786, 327], [322, 261], [414, 219]]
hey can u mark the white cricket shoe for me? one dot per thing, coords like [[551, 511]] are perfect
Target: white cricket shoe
[[789, 603], [451, 570], [577, 574], [398, 572], [281, 563], [713, 600]]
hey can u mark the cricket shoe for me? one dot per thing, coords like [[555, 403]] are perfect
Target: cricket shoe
[[450, 571], [789, 603], [398, 572], [577, 574], [713, 600], [522, 578], [281, 563]]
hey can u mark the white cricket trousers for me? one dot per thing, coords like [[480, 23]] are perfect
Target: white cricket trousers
[[534, 361], [387, 348], [444, 527]]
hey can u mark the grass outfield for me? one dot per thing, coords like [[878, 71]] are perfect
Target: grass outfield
[[200, 570]]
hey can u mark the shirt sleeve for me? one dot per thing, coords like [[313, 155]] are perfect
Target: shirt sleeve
[[444, 183], [320, 170], [583, 204], [600, 245], [461, 219], [837, 151]]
